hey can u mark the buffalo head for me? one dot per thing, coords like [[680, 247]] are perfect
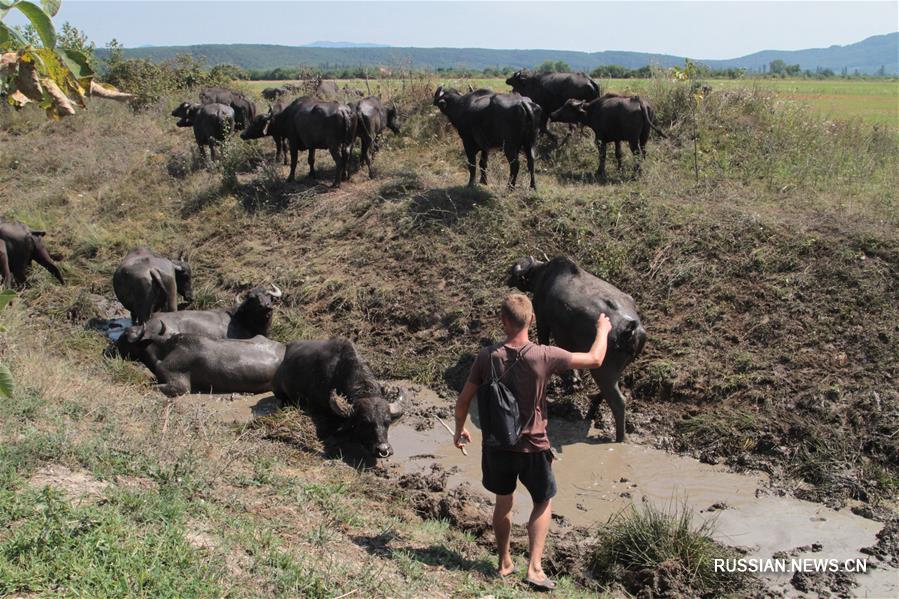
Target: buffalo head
[[521, 271], [369, 418], [258, 127], [572, 111], [518, 80], [393, 120], [182, 279], [134, 341], [440, 98], [255, 310]]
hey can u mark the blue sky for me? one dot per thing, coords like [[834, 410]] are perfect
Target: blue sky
[[696, 29]]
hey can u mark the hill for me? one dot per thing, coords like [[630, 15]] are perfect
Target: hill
[[866, 56]]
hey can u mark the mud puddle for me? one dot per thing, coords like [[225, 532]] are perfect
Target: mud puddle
[[596, 480], [230, 408], [112, 328]]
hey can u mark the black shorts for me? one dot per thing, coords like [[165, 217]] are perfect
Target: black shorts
[[502, 469]]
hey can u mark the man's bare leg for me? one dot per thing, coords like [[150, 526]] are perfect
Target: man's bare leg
[[538, 527], [502, 529]]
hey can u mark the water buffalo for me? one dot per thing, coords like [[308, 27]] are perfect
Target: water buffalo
[[612, 118], [310, 124], [211, 123], [317, 372], [185, 363], [19, 245], [244, 108], [262, 125], [373, 118], [146, 282], [273, 93], [567, 302], [323, 90], [551, 90], [250, 317], [486, 120]]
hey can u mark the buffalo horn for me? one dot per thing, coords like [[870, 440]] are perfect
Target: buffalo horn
[[275, 291], [396, 408], [339, 405], [161, 328]]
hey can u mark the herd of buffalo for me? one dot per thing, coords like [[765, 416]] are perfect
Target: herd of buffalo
[[228, 350], [484, 119]]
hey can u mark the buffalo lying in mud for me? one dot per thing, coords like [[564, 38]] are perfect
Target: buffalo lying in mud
[[146, 282], [485, 121], [567, 302], [251, 316], [212, 123], [552, 90], [185, 363], [316, 373], [613, 118], [373, 118], [19, 246], [244, 108]]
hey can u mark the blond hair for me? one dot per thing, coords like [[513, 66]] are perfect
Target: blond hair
[[517, 309]]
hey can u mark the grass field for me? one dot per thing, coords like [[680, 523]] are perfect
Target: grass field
[[873, 101], [763, 259]]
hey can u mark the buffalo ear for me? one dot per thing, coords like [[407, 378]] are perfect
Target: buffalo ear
[[395, 408]]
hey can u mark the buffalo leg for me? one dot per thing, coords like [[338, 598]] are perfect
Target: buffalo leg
[[277, 148], [512, 157], [635, 150], [42, 257], [366, 154], [4, 266], [346, 151], [618, 154], [311, 161], [294, 150], [202, 152], [172, 385], [608, 385], [212, 149], [483, 164], [529, 154], [338, 165], [284, 150], [601, 147], [544, 129], [471, 154]]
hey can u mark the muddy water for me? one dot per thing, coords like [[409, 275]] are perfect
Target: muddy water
[[596, 480]]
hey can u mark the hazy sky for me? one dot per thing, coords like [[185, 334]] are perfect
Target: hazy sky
[[695, 29]]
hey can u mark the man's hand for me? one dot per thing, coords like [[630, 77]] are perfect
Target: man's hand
[[459, 436], [603, 325]]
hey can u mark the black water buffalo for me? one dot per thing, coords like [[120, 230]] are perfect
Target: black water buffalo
[[263, 125], [315, 373], [612, 118], [551, 90], [250, 317], [323, 90], [185, 363], [567, 302], [19, 246], [486, 120], [244, 108], [373, 118], [146, 282], [211, 123], [273, 93], [310, 124]]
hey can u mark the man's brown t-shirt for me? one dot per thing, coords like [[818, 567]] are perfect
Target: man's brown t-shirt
[[527, 380]]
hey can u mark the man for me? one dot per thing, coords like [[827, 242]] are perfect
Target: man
[[531, 459]]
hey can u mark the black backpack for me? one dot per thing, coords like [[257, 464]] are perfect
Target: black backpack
[[498, 410]]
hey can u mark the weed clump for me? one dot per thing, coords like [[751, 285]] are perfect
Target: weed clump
[[649, 549]]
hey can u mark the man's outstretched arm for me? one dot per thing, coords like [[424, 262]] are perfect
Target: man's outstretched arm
[[597, 353], [462, 405]]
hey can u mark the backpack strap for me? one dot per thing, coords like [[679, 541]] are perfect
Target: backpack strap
[[506, 371]]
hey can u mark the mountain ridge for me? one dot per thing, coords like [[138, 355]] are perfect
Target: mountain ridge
[[866, 56]]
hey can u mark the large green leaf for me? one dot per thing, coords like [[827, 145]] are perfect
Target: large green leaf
[[76, 62], [6, 296], [40, 21], [6, 385], [51, 7]]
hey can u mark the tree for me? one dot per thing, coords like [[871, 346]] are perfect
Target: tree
[[777, 67], [42, 71]]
